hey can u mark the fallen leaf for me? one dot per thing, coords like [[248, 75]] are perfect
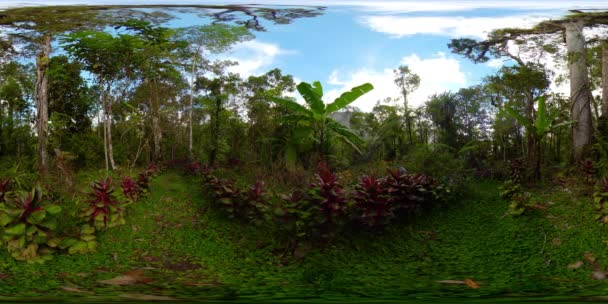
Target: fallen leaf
[[129, 278], [4, 276], [75, 289], [576, 265], [471, 283], [451, 282], [598, 275], [589, 257], [138, 296]]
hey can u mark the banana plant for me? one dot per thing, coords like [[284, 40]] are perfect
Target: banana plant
[[312, 122], [543, 124]]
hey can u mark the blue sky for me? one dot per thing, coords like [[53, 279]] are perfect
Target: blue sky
[[363, 41]]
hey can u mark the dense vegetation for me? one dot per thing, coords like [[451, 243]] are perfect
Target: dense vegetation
[[129, 148]]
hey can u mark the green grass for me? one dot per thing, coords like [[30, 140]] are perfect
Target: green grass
[[191, 251]]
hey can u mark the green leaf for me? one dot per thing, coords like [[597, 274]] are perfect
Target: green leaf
[[15, 229], [87, 229], [5, 219], [312, 96], [521, 119], [292, 105], [348, 97], [37, 217], [53, 209]]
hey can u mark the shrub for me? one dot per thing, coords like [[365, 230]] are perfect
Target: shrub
[[518, 169], [4, 188], [130, 189], [82, 241], [143, 181], [193, 168], [103, 210], [28, 226], [372, 202], [412, 192], [589, 170], [328, 194], [600, 197]]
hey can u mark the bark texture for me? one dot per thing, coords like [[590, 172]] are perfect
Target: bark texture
[[42, 103], [580, 93]]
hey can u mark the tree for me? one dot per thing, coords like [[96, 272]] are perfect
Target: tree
[[314, 123], [571, 27], [407, 82], [214, 38], [538, 128], [109, 58], [36, 28], [217, 93]]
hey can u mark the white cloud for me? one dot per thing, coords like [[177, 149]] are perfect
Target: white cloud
[[479, 27], [437, 74], [254, 57]]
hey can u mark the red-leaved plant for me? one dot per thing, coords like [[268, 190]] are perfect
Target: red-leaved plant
[[328, 193], [143, 181], [103, 210], [193, 168], [4, 188], [588, 168], [411, 192], [130, 188], [372, 202]]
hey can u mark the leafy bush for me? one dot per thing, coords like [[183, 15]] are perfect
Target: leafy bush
[[518, 169], [193, 168], [320, 211], [372, 202], [84, 240], [143, 181], [589, 170], [103, 210], [328, 194], [4, 188], [600, 197], [28, 226], [130, 189], [411, 192]]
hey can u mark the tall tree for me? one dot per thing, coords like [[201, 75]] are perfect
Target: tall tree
[[571, 27], [407, 82], [214, 38]]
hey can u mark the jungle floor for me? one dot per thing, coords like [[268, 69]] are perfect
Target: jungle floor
[[174, 247]]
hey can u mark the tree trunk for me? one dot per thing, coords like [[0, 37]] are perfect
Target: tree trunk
[[109, 134], [580, 93], [605, 79], [42, 103], [156, 128]]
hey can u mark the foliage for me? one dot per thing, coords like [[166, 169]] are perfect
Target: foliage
[[84, 240], [372, 203], [5, 185], [518, 169], [413, 192], [130, 188], [28, 225], [103, 210], [600, 197], [143, 181], [313, 123], [589, 170]]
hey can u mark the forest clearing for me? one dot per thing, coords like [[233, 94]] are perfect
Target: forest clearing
[[154, 152]]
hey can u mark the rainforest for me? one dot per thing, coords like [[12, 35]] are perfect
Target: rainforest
[[347, 151]]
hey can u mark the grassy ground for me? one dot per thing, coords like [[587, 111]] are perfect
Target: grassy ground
[[175, 247]]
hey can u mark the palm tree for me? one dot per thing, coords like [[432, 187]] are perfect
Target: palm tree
[[314, 123]]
